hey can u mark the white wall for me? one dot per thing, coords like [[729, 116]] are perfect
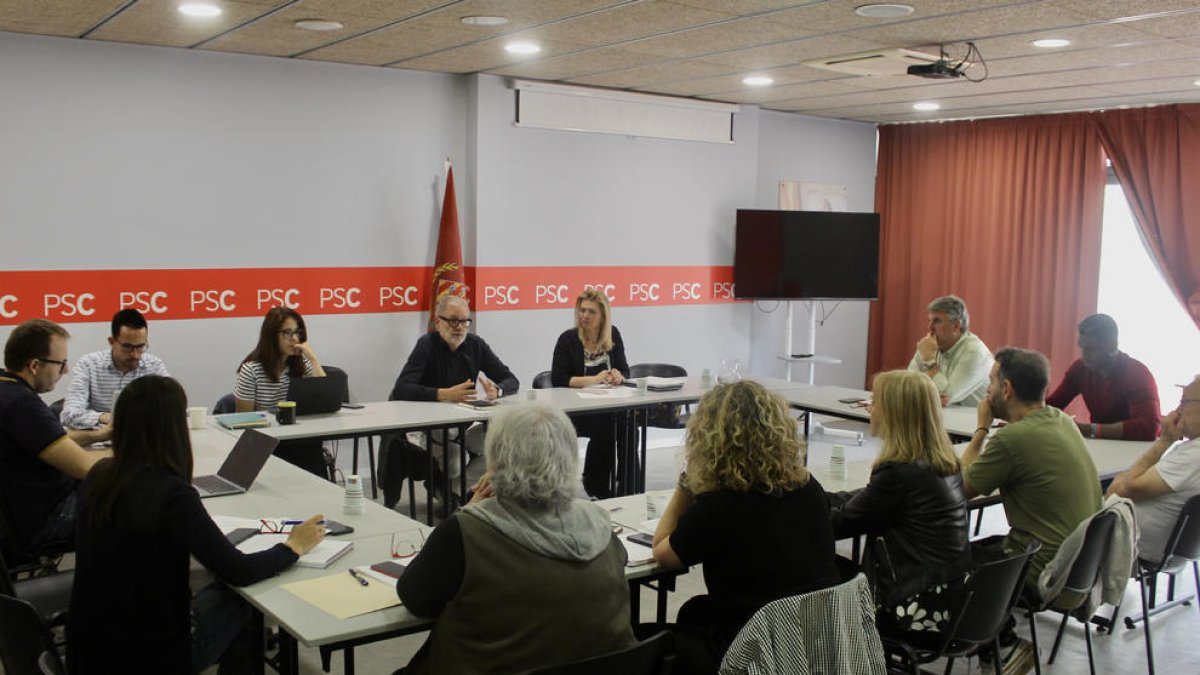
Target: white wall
[[808, 149], [560, 198], [129, 157]]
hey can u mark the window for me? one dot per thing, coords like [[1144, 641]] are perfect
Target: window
[[1155, 328]]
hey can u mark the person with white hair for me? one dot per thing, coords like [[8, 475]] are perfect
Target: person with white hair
[[951, 355], [526, 575]]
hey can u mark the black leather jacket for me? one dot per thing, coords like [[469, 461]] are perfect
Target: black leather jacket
[[918, 523]]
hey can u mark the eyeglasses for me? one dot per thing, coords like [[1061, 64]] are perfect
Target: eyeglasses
[[292, 333], [62, 365], [456, 323], [275, 526], [403, 545], [133, 349]]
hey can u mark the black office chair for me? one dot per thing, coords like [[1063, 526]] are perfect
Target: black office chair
[[24, 638], [225, 405], [542, 380], [56, 407], [665, 415], [49, 663], [50, 593], [1183, 546], [986, 601], [1080, 580], [653, 656]]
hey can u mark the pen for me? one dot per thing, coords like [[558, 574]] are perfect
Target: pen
[[299, 522], [357, 577]]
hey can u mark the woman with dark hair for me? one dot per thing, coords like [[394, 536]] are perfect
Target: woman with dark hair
[[750, 512], [282, 353], [913, 508], [263, 377], [590, 354], [140, 522]]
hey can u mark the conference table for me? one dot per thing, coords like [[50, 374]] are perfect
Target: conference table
[[960, 421], [629, 406], [283, 490]]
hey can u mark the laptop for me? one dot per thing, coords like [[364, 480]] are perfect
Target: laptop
[[317, 395], [241, 467]]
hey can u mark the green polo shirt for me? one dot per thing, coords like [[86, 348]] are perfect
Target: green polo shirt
[[1046, 478]]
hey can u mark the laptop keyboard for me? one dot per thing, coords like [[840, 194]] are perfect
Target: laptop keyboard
[[210, 483]]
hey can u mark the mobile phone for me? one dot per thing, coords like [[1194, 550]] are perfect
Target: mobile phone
[[334, 528], [642, 538], [353, 406], [389, 568], [855, 399]]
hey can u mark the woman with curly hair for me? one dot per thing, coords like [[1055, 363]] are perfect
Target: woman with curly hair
[[750, 512]]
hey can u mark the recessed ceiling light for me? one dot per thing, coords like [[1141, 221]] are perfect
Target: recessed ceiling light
[[758, 80], [1197, 83], [319, 24], [199, 9], [522, 48], [926, 106], [883, 10], [1050, 43], [485, 20]]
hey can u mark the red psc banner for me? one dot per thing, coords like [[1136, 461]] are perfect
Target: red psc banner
[[80, 296]]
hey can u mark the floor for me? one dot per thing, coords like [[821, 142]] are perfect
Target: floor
[[1123, 652]]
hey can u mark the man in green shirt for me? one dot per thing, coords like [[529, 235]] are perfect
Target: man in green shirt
[[1039, 462]]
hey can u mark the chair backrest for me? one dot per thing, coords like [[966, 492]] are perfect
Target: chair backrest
[[57, 406], [1184, 543], [653, 656], [657, 370], [542, 380], [50, 664], [1095, 545], [988, 597], [24, 637], [226, 404]]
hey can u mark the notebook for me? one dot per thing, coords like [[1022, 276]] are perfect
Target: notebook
[[240, 468], [318, 395], [246, 420], [659, 383], [322, 555]]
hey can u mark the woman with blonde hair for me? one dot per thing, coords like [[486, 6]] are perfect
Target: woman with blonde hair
[[750, 512], [913, 507], [590, 354]]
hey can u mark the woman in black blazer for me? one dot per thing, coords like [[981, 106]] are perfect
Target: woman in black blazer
[[592, 353]]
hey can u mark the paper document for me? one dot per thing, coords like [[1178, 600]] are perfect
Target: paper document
[[598, 393], [342, 596], [322, 555]]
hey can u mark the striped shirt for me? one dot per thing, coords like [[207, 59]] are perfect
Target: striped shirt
[[96, 383], [253, 385]]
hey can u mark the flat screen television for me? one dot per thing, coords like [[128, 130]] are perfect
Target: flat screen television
[[813, 255]]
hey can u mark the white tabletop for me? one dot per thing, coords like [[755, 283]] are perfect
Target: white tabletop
[[959, 420]]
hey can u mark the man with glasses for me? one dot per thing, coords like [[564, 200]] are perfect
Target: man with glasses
[[40, 462], [444, 366], [101, 375], [1165, 476]]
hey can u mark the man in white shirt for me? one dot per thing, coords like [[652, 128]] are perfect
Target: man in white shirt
[[1166, 475], [951, 355], [101, 375]]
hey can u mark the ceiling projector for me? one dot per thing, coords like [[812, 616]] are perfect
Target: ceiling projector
[[938, 70]]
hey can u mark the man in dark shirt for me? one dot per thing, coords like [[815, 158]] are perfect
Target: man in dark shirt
[[40, 463], [444, 366], [1119, 392]]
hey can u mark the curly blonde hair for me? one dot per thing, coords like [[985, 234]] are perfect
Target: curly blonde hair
[[742, 438]]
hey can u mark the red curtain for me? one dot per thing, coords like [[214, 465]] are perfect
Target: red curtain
[[1005, 213], [1155, 153]]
